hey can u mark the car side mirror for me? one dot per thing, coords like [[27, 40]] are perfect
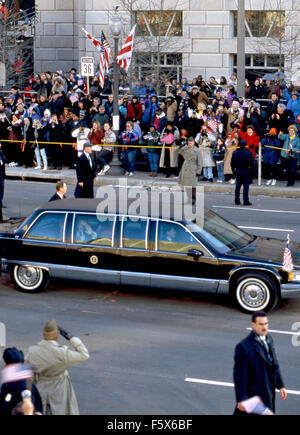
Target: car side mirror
[[195, 253]]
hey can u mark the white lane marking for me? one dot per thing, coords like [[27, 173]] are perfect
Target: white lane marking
[[276, 331], [266, 229], [256, 209], [227, 384]]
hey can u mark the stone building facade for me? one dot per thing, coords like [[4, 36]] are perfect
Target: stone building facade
[[205, 40]]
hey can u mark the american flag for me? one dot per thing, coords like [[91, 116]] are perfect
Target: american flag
[[212, 124], [287, 264], [16, 372], [125, 55], [104, 48]]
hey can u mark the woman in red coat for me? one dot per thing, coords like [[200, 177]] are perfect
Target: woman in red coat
[[96, 138], [134, 110], [251, 138]]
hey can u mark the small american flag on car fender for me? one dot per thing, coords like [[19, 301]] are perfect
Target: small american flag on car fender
[[16, 372], [287, 265]]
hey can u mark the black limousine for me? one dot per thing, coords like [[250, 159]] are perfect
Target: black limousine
[[69, 239]]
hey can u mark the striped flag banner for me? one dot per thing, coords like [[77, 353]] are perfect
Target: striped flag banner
[[16, 372], [125, 55], [95, 41], [287, 265]]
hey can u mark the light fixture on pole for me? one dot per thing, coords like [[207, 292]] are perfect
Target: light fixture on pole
[[115, 24]]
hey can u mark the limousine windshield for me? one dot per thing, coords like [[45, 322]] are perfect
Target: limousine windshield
[[221, 234]]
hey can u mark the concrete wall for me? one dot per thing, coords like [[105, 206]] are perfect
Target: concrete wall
[[207, 42]]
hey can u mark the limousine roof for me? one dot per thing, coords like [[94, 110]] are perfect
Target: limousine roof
[[91, 205]]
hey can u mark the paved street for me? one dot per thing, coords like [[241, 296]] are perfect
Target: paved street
[[150, 350]]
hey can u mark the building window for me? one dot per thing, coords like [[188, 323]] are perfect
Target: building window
[[158, 23], [260, 24], [257, 65], [169, 67]]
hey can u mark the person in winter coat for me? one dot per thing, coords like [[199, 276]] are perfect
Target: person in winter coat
[[11, 392], [50, 361], [95, 137], [134, 110], [106, 154], [109, 106], [251, 138], [282, 119], [197, 97], [153, 151], [129, 137], [218, 156], [293, 101], [101, 117], [15, 134], [205, 142], [290, 153], [257, 90], [192, 166], [160, 120], [235, 114], [170, 107], [39, 146], [168, 158], [271, 155], [243, 167]]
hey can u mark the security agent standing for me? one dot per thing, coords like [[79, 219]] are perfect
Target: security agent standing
[[243, 168], [49, 361], [86, 173], [256, 370]]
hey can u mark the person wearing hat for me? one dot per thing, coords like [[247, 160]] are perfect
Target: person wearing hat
[[293, 101], [243, 167], [11, 393], [271, 153], [101, 116], [290, 152], [197, 97], [192, 166], [86, 173], [50, 361], [170, 107]]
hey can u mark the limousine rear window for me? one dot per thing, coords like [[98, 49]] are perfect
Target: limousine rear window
[[221, 234], [93, 229]]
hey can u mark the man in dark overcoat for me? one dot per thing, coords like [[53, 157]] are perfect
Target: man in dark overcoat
[[86, 173], [243, 168], [256, 370]]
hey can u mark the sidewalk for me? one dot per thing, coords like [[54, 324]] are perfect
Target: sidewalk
[[142, 179]]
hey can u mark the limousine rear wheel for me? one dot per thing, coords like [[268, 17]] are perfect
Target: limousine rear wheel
[[255, 292], [29, 279]]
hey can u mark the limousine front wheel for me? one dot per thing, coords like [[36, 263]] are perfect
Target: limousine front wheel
[[29, 279], [255, 292]]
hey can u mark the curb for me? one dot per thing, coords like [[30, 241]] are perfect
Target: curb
[[141, 180]]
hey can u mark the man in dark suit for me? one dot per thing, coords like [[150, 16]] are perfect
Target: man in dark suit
[[243, 168], [86, 173], [256, 370], [61, 190]]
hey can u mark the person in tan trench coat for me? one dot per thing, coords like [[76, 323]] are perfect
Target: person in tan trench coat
[[192, 166], [49, 361]]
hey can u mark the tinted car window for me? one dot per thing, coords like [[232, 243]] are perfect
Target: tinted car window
[[93, 229], [174, 238], [49, 226], [134, 233]]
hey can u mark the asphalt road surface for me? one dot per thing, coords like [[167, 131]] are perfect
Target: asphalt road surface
[[153, 352]]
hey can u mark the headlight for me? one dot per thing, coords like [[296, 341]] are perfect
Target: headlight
[[294, 276]]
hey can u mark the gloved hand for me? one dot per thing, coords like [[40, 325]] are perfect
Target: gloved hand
[[67, 335]]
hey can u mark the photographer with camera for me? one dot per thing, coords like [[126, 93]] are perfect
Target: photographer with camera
[[50, 361], [290, 152]]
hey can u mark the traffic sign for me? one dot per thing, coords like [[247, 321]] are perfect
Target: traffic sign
[[87, 67]]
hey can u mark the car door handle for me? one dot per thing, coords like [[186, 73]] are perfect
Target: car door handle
[[195, 254]]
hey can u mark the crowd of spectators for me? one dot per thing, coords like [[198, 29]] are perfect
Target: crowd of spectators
[[55, 109]]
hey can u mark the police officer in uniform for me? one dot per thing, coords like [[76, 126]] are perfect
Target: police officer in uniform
[[243, 168]]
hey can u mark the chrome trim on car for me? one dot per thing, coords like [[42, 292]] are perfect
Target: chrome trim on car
[[290, 290], [265, 269]]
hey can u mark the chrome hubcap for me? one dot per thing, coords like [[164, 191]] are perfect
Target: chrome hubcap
[[253, 294], [29, 276]]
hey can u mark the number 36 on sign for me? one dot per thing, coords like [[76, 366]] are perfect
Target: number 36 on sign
[[87, 67]]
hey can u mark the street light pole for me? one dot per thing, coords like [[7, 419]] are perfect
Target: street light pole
[[116, 116], [241, 49]]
